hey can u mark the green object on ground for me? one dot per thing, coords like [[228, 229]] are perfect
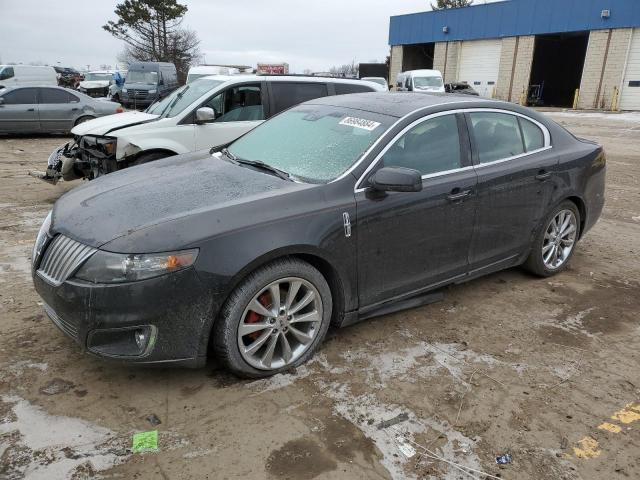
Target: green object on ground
[[145, 441]]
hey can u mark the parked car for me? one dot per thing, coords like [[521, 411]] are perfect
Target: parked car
[[48, 109], [460, 87], [68, 77], [379, 80], [201, 71], [96, 84], [208, 112], [27, 75], [420, 81], [148, 82], [334, 211]]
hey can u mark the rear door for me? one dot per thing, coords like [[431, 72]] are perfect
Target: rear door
[[238, 109], [284, 95], [19, 111], [58, 109], [516, 168]]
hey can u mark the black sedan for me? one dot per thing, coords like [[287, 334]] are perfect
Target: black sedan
[[334, 211]]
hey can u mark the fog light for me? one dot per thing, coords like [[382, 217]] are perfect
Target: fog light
[[141, 337]]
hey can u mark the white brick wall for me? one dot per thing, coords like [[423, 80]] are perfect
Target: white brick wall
[[613, 70], [395, 66], [522, 72]]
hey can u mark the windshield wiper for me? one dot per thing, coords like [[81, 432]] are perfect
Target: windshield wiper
[[263, 166], [225, 151]]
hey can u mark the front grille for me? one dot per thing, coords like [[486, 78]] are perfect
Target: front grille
[[136, 93], [67, 327], [97, 92], [62, 258]]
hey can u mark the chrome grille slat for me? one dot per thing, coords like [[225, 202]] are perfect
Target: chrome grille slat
[[62, 258]]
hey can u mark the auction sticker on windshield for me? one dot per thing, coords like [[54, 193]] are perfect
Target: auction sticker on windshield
[[362, 123]]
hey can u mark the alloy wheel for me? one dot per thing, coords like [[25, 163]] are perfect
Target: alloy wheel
[[559, 239], [280, 323]]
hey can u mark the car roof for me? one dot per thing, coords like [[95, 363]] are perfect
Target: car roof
[[400, 104], [284, 78]]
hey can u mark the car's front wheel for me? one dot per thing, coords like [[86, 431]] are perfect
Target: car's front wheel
[[274, 320], [555, 242]]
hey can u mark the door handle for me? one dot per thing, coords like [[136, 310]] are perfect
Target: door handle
[[75, 109], [456, 195], [31, 109], [543, 175]]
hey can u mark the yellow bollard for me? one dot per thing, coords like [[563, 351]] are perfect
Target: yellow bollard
[[614, 100], [576, 97]]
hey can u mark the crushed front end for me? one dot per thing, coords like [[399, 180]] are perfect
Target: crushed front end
[[87, 157]]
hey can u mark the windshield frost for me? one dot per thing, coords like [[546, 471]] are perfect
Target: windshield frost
[[180, 99], [315, 143]]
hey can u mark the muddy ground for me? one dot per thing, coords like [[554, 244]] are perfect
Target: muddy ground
[[545, 370]]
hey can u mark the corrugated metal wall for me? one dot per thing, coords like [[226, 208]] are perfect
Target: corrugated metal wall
[[512, 18]]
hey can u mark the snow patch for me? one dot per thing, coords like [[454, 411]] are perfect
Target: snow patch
[[56, 446]]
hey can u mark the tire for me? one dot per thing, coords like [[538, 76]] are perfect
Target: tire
[[83, 119], [149, 157], [226, 334], [536, 263]]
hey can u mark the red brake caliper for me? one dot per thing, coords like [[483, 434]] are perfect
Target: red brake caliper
[[253, 317]]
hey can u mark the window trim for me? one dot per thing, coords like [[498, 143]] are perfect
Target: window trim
[[358, 185]]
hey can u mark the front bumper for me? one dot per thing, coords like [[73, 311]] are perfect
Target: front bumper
[[130, 100], [176, 307]]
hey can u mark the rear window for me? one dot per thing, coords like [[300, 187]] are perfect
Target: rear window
[[533, 136], [53, 95], [286, 94], [345, 88], [497, 135]]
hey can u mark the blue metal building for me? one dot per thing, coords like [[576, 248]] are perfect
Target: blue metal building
[[587, 50]]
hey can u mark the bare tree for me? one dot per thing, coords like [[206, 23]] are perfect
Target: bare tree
[[349, 70], [152, 31], [444, 4]]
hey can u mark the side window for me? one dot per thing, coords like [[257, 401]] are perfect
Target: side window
[[533, 136], [23, 96], [6, 73], [497, 135], [432, 146], [287, 95], [345, 88], [238, 104], [52, 95]]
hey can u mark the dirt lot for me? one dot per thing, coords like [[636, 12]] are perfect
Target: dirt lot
[[545, 370]]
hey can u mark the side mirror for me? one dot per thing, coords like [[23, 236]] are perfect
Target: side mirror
[[205, 114], [410, 88], [396, 179]]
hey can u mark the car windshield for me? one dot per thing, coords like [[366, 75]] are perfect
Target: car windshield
[[427, 82], [195, 76], [142, 76], [314, 143], [180, 99], [380, 81], [98, 76]]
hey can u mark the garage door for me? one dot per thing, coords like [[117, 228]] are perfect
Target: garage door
[[630, 93], [479, 64]]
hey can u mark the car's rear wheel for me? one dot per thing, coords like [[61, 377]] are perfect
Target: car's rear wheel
[[274, 320], [555, 242]]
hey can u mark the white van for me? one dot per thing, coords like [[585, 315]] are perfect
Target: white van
[[23, 75], [420, 81], [206, 70], [211, 111]]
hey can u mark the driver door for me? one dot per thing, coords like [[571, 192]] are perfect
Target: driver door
[[409, 242], [238, 109]]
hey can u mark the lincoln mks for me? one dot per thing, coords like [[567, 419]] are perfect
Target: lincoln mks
[[337, 210]]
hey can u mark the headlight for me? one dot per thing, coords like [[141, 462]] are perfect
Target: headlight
[[107, 267], [124, 90], [41, 239], [153, 91], [106, 145]]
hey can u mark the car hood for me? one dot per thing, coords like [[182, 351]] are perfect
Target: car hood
[[103, 125], [94, 83], [131, 204]]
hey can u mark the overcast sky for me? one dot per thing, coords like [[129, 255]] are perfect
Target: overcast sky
[[306, 34]]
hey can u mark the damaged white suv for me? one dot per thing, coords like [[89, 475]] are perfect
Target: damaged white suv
[[212, 111]]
